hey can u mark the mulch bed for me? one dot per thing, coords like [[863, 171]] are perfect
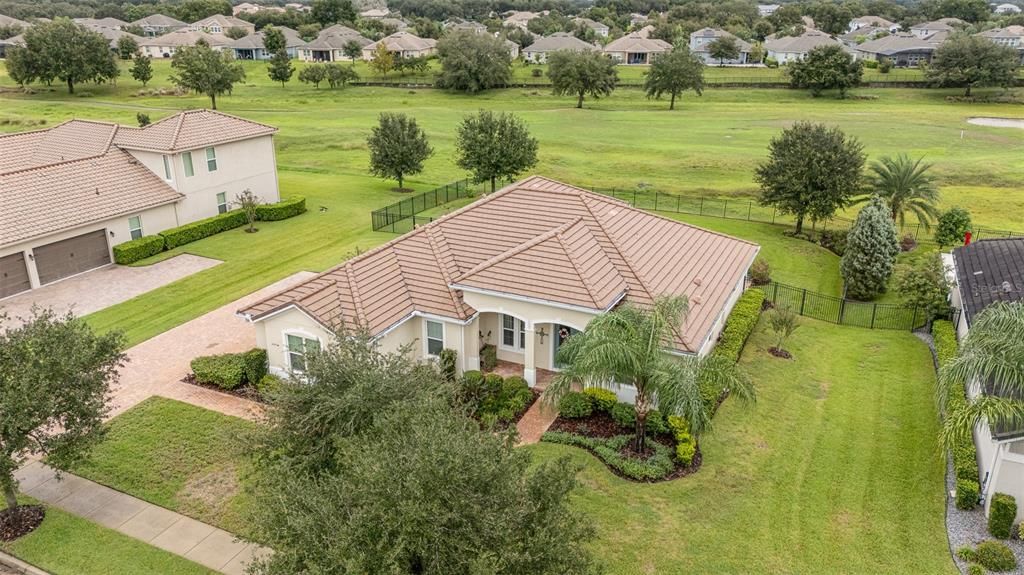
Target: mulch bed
[[20, 521], [245, 391], [780, 353]]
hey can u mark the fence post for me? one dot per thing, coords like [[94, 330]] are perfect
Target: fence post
[[677, 203], [725, 206], [702, 205], [803, 299], [634, 198], [656, 193], [842, 311], [874, 308]]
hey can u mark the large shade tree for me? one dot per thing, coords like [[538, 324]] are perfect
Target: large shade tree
[[826, 68], [473, 62], [906, 186], [632, 345], [55, 375], [973, 61], [398, 147], [582, 74], [673, 74], [991, 356], [494, 146], [65, 51], [870, 254], [203, 70]]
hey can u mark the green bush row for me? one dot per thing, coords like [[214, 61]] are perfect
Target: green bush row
[[740, 324], [281, 210], [964, 452], [1001, 514], [967, 493], [198, 230], [231, 370], [135, 250], [658, 466], [995, 556]]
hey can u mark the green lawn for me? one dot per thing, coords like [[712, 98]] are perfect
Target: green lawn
[[834, 470], [178, 456], [68, 545], [709, 146]]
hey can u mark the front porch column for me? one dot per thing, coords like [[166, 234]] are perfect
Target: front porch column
[[471, 347], [529, 363]]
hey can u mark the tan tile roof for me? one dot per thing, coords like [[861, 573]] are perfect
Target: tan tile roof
[[190, 130], [186, 38], [404, 42], [71, 140], [159, 20], [635, 43], [8, 21], [801, 44], [40, 201], [559, 41], [223, 21], [537, 238]]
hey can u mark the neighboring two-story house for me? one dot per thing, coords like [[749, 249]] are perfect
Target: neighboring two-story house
[[521, 270], [69, 193], [701, 39], [167, 45], [220, 24], [158, 25], [1012, 36], [785, 49]]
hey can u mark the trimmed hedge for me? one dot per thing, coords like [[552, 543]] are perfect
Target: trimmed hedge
[[575, 405], [657, 466], [966, 494], [964, 452], [231, 370], [282, 210], [603, 399], [198, 230], [995, 556], [1001, 513], [740, 324], [488, 357], [135, 250]]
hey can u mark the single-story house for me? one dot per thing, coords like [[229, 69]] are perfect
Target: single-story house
[[220, 24], [791, 48], [1007, 9], [165, 46], [861, 35], [72, 192], [539, 50], [114, 35], [636, 19], [635, 49], [925, 29], [875, 21], [395, 23], [700, 40], [902, 50], [329, 45], [375, 13], [404, 44], [985, 272], [521, 269], [460, 25], [1012, 36], [107, 22], [512, 47], [158, 25], [251, 47], [598, 28]]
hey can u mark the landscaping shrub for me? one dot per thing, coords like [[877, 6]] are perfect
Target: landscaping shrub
[[255, 365], [281, 210], [656, 423], [135, 250], [575, 405], [1001, 514], [624, 414], [488, 357], [268, 385], [833, 241], [657, 466], [966, 553], [975, 569], [536, 72], [995, 556], [515, 394], [871, 64], [188, 233], [885, 66], [603, 399], [964, 452], [740, 324], [966, 494], [1020, 532], [226, 371], [907, 243], [686, 444], [685, 450], [771, 62], [447, 361], [760, 272]]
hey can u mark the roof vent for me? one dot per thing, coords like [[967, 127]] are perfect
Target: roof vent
[[698, 281], [696, 300]]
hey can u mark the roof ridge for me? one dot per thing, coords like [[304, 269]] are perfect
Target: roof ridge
[[435, 249], [572, 261], [353, 286], [61, 162], [519, 248], [615, 245], [177, 129]]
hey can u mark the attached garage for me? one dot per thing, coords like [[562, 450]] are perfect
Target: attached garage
[[71, 256], [13, 275]]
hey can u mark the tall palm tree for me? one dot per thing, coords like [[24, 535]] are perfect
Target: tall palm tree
[[629, 345], [992, 352], [906, 186]]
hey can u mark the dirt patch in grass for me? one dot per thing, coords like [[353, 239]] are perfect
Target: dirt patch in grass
[[20, 521], [213, 490]]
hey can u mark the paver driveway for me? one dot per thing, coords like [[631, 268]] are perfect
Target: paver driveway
[[103, 287]]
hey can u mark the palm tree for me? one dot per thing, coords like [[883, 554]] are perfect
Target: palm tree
[[992, 352], [906, 186], [630, 345]]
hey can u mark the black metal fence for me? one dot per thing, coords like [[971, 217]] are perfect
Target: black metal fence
[[843, 311], [399, 217]]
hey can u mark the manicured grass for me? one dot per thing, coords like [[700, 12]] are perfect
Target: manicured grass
[[833, 470], [68, 545], [178, 456], [709, 146]]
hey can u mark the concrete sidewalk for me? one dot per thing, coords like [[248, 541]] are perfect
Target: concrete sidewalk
[[205, 544]]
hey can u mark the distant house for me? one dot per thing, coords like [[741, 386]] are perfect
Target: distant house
[[395, 23], [985, 272], [460, 25], [13, 41], [791, 48], [251, 47], [375, 13], [701, 39], [93, 23], [114, 35], [861, 35], [598, 28], [636, 19], [1012, 36], [925, 29], [634, 49], [538, 51], [646, 31], [875, 21], [1007, 9], [808, 22], [512, 47], [8, 21], [764, 10], [404, 44], [220, 24], [165, 46], [158, 25], [329, 45], [901, 50], [520, 19]]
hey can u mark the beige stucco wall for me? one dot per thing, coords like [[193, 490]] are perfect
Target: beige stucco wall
[[154, 220], [270, 335], [717, 327]]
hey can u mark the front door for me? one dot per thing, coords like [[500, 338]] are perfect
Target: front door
[[562, 333]]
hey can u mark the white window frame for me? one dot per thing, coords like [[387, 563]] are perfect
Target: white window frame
[[222, 206], [186, 162], [131, 230], [211, 156], [168, 173], [427, 338], [305, 337], [518, 334]]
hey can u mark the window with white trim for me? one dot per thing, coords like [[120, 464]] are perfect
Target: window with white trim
[[167, 168], [186, 159], [435, 337], [513, 333], [211, 159], [297, 348], [222, 202], [135, 227]]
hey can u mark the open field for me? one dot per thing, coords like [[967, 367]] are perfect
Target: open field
[[709, 146]]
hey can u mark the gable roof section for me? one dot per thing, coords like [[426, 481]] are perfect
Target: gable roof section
[[190, 130], [559, 41], [538, 239], [71, 140], [8, 21], [223, 21], [801, 44], [636, 43], [185, 37], [335, 37], [719, 33], [896, 43], [255, 41], [404, 42], [159, 20], [988, 271]]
